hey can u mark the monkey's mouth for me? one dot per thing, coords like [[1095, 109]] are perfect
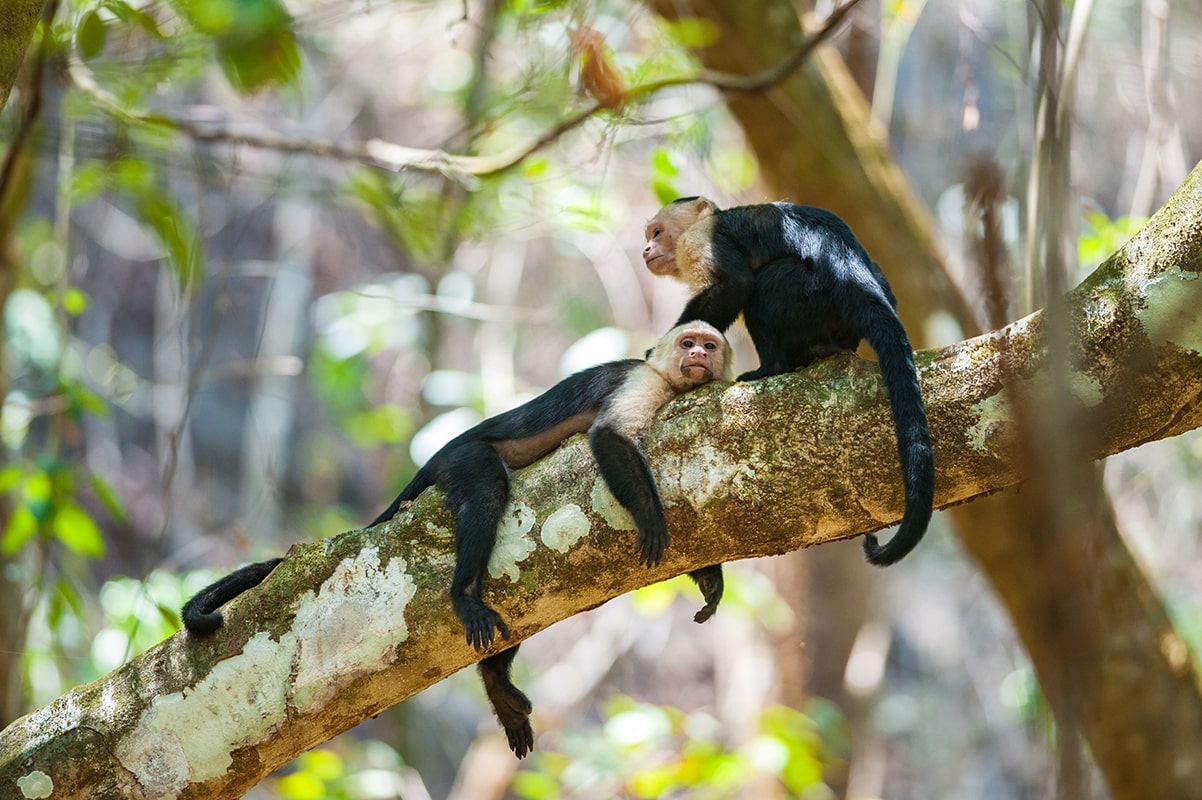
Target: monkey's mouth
[[696, 372], [658, 268]]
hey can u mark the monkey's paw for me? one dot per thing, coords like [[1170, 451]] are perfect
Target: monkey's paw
[[480, 623], [650, 546]]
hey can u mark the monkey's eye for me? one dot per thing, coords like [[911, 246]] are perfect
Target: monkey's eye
[[711, 346], [655, 233], [687, 343]]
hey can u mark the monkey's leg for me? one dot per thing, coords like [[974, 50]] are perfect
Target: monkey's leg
[[709, 581], [626, 472], [511, 706], [476, 483]]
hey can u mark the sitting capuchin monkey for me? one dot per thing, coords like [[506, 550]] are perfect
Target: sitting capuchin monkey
[[614, 403], [806, 289]]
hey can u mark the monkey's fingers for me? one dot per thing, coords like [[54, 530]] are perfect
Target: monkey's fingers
[[650, 551], [501, 626], [479, 626]]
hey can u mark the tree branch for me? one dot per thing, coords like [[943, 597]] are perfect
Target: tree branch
[[349, 626]]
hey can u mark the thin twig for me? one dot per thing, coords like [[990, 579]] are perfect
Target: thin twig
[[462, 168]]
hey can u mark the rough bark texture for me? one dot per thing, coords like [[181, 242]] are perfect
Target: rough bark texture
[[18, 20], [351, 625]]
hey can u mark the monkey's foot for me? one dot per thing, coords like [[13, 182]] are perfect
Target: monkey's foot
[[509, 703], [709, 581]]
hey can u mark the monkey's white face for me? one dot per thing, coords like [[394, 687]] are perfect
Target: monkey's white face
[[701, 355], [664, 232], [660, 253]]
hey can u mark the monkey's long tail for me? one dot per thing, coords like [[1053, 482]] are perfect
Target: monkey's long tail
[[202, 614], [887, 337]]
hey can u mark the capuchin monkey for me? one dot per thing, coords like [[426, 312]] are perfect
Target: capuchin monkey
[[614, 403], [806, 289]]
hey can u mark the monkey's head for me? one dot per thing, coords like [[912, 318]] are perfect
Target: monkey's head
[[692, 354], [667, 226]]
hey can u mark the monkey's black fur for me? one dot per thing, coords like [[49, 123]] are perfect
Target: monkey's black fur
[[474, 477], [472, 470], [808, 289]]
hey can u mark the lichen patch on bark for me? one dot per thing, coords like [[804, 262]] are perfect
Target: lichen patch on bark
[[564, 528], [351, 626], [513, 544]]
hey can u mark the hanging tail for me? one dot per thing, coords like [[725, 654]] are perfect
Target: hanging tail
[[887, 337]]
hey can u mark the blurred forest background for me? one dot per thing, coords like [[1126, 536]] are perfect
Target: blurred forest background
[[262, 257]]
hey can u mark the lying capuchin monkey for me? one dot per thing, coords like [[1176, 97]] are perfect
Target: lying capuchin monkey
[[614, 402], [806, 289]]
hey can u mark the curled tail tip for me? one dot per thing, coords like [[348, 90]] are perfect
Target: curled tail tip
[[894, 550], [199, 621]]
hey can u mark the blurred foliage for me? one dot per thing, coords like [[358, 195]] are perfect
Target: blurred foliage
[[145, 125], [650, 751], [73, 640], [344, 770], [1102, 236]]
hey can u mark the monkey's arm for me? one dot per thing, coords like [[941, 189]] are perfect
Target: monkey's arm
[[628, 476], [721, 303]]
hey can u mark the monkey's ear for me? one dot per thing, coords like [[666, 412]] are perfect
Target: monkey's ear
[[703, 208]]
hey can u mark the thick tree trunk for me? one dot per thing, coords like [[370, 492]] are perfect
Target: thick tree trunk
[[18, 20], [349, 626]]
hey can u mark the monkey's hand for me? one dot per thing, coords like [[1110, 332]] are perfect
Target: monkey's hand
[[479, 622], [709, 581]]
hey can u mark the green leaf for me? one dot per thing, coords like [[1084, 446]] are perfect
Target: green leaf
[[665, 162], [82, 400], [127, 14], [21, 527], [535, 786], [10, 478], [256, 45], [178, 236], [108, 496], [77, 531], [134, 175], [89, 180], [695, 33], [75, 301], [90, 35], [665, 190]]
